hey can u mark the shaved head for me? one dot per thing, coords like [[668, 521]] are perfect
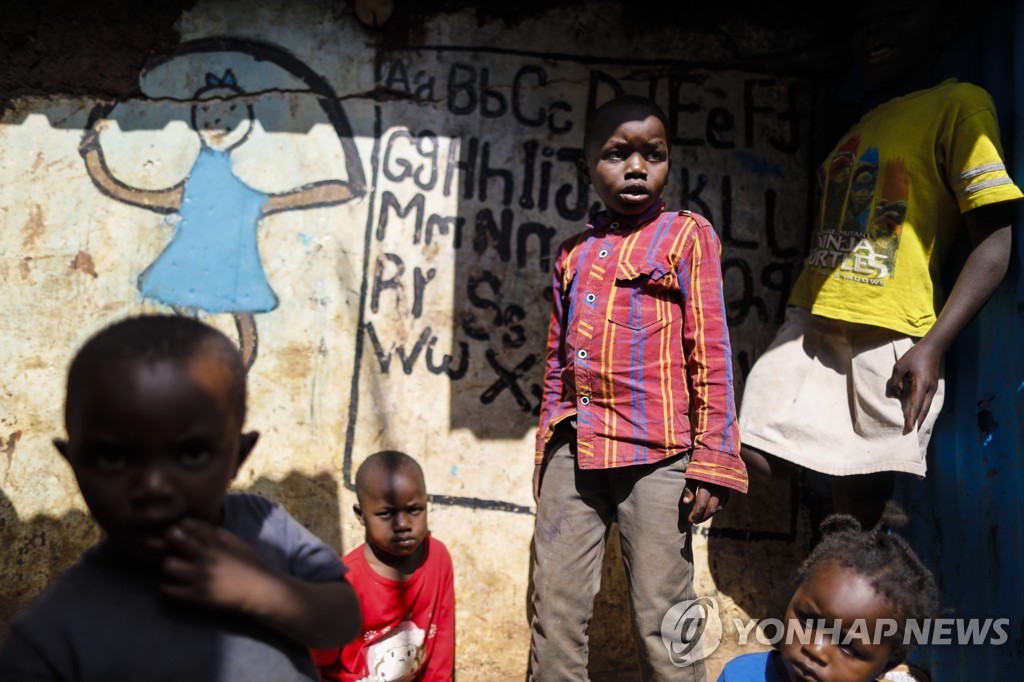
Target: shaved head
[[381, 466]]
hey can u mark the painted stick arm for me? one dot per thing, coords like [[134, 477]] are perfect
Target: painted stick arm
[[314, 195], [162, 200]]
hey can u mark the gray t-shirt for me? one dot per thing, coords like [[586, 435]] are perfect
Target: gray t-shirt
[[103, 622]]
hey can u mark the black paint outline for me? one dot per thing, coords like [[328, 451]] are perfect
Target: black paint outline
[[787, 536], [268, 52], [348, 475]]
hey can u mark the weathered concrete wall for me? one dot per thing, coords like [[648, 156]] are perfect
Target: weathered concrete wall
[[420, 182]]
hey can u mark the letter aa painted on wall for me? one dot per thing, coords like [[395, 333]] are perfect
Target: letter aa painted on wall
[[211, 264]]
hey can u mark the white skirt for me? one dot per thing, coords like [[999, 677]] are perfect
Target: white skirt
[[817, 398]]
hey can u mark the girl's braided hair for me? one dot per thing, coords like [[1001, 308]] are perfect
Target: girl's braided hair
[[886, 560]]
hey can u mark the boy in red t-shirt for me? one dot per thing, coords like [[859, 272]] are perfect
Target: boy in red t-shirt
[[404, 580]]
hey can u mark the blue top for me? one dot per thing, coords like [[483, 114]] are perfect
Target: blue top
[[213, 263], [758, 667]]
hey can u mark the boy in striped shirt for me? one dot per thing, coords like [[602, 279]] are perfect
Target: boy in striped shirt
[[638, 422]]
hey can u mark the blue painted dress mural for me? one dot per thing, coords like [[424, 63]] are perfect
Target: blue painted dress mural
[[212, 263]]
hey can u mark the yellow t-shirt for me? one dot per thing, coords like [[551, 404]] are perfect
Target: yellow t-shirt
[[892, 193]]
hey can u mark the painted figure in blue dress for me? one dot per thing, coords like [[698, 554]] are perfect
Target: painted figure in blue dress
[[212, 263]]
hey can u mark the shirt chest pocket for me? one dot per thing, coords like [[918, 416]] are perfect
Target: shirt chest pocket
[[644, 294]]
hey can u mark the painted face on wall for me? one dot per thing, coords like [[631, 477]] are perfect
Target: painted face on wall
[[153, 443], [393, 509], [222, 124], [627, 161], [834, 593]]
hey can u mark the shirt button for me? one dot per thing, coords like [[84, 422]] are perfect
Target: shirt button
[[602, 253], [584, 400], [582, 353], [591, 298], [614, 226]]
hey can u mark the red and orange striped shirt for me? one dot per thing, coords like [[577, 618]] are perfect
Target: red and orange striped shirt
[[638, 348]]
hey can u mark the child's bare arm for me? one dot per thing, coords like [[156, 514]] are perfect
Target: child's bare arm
[[212, 567], [915, 376]]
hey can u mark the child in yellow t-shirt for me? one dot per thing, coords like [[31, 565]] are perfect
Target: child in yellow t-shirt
[[852, 384]]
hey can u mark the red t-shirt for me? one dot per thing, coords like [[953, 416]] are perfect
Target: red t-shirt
[[408, 627]]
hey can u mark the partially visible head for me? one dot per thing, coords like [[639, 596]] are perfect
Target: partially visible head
[[868, 581], [154, 411], [626, 154], [897, 42], [392, 503], [221, 118]]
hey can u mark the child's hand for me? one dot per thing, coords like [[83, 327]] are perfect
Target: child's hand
[[212, 567], [707, 500], [915, 378]]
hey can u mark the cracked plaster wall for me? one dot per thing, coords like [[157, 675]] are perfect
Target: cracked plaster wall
[[423, 175]]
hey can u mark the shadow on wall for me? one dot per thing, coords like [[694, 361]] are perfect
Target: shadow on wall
[[514, 198], [314, 501], [37, 550], [209, 84], [756, 546], [279, 72]]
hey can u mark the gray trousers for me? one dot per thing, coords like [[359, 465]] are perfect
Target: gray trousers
[[574, 514]]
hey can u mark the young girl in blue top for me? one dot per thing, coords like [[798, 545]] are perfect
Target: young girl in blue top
[[847, 620]]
